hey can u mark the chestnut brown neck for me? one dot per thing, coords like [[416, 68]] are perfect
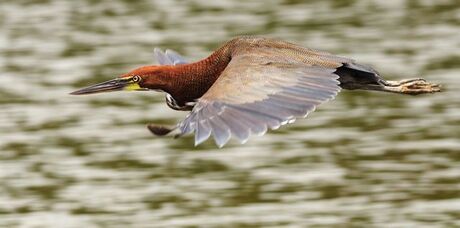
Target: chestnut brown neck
[[188, 82]]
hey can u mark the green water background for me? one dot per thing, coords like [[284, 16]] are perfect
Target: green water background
[[362, 160]]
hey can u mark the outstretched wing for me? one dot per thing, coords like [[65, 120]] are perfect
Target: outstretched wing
[[263, 88], [169, 57]]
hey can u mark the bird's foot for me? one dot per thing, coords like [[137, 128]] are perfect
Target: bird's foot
[[412, 86], [159, 130]]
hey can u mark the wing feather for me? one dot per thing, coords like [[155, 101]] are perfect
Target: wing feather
[[203, 130], [221, 132], [175, 57], [169, 57]]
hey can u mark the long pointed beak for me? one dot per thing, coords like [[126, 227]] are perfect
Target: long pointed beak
[[108, 86]]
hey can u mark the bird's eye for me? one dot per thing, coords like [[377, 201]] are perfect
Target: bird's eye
[[136, 78]]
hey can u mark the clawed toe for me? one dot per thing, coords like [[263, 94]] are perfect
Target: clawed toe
[[415, 87], [404, 81], [412, 80], [412, 86]]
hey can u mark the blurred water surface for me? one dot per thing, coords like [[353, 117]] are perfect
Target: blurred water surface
[[364, 159]]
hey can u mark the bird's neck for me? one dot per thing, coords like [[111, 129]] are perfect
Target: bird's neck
[[188, 82]]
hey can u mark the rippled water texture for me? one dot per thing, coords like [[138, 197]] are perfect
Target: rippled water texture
[[362, 159]]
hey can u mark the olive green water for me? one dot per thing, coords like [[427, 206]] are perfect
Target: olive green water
[[362, 160]]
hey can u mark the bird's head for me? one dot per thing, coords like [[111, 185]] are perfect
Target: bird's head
[[140, 79]]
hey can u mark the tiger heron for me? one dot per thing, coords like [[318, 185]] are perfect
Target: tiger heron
[[249, 85]]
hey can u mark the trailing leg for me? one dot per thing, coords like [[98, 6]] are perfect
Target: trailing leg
[[357, 76]]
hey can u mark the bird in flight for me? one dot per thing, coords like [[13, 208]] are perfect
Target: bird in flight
[[250, 85]]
